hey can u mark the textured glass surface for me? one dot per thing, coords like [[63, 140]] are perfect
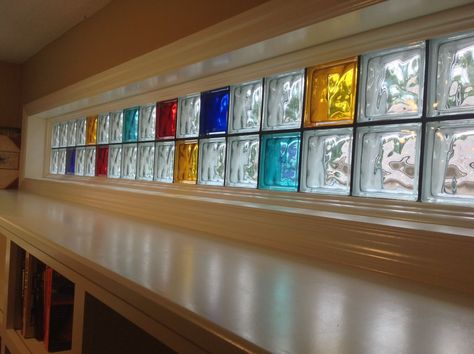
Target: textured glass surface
[[387, 161], [146, 161], [55, 135], [185, 163], [80, 162], [91, 130], [102, 160], [326, 161], [211, 161], [129, 161], [242, 161], [214, 111], [166, 119], [116, 127], [164, 161], [130, 124], [330, 96], [89, 161], [391, 84], [63, 134], [283, 105], [115, 161], [452, 75], [245, 107], [189, 111], [279, 161], [71, 133], [61, 162], [103, 129], [147, 123], [70, 161], [53, 165], [449, 162], [80, 132]]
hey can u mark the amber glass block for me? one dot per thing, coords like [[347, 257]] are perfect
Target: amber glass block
[[91, 130], [330, 94], [185, 166]]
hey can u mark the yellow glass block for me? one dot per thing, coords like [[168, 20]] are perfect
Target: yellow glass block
[[330, 94], [186, 157], [91, 130]]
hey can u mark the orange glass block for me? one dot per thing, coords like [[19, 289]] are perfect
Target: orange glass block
[[91, 130], [330, 94], [186, 157]]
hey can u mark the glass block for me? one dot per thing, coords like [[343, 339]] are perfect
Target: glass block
[[102, 161], [103, 129], [147, 123], [391, 84], [326, 161], [61, 162], [70, 161], [166, 119], [91, 130], [63, 134], [242, 161], [71, 133], [130, 124], [55, 135], [189, 111], [116, 127], [81, 132], [330, 94], [211, 161], [129, 161], [387, 159], [452, 75], [54, 162], [214, 111], [283, 103], [164, 161], [115, 161], [449, 162], [246, 107], [80, 162], [146, 161], [89, 161], [185, 162], [279, 161]]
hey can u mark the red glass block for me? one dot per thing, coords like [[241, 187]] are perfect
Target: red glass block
[[102, 161], [166, 119]]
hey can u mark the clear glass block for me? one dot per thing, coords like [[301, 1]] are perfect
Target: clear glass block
[[147, 124], [116, 127], [89, 161], [242, 161], [71, 133], [326, 161], [81, 132], [212, 161], [63, 134], [449, 162], [387, 159], [391, 83], [80, 162], [55, 135], [103, 129], [451, 75], [115, 161], [61, 162], [283, 101], [164, 161], [146, 161], [129, 161], [189, 110], [185, 162], [54, 162], [245, 107]]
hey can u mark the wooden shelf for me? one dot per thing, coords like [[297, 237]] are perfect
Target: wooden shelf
[[29, 345]]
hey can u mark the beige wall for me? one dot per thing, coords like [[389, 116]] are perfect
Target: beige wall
[[122, 30], [10, 95]]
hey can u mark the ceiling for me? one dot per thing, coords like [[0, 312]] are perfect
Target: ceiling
[[26, 26]]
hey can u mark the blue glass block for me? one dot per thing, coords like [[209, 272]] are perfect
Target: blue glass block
[[70, 161], [280, 159], [214, 111], [130, 124]]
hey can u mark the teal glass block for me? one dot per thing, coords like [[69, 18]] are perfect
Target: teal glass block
[[280, 159], [130, 124]]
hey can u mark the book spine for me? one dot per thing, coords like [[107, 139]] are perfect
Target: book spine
[[48, 282], [26, 291]]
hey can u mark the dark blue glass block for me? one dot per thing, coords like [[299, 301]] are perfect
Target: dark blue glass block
[[214, 111], [70, 161], [280, 160], [130, 124]]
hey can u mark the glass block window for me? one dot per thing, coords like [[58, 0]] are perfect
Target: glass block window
[[116, 127], [54, 162], [103, 129], [70, 161], [246, 107], [147, 123], [79, 169], [81, 132], [189, 112], [146, 161], [61, 170], [91, 130], [214, 112], [242, 161], [164, 161], [166, 119], [186, 158], [89, 161], [212, 161], [102, 161], [129, 161], [63, 134], [71, 133], [130, 124], [114, 167]]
